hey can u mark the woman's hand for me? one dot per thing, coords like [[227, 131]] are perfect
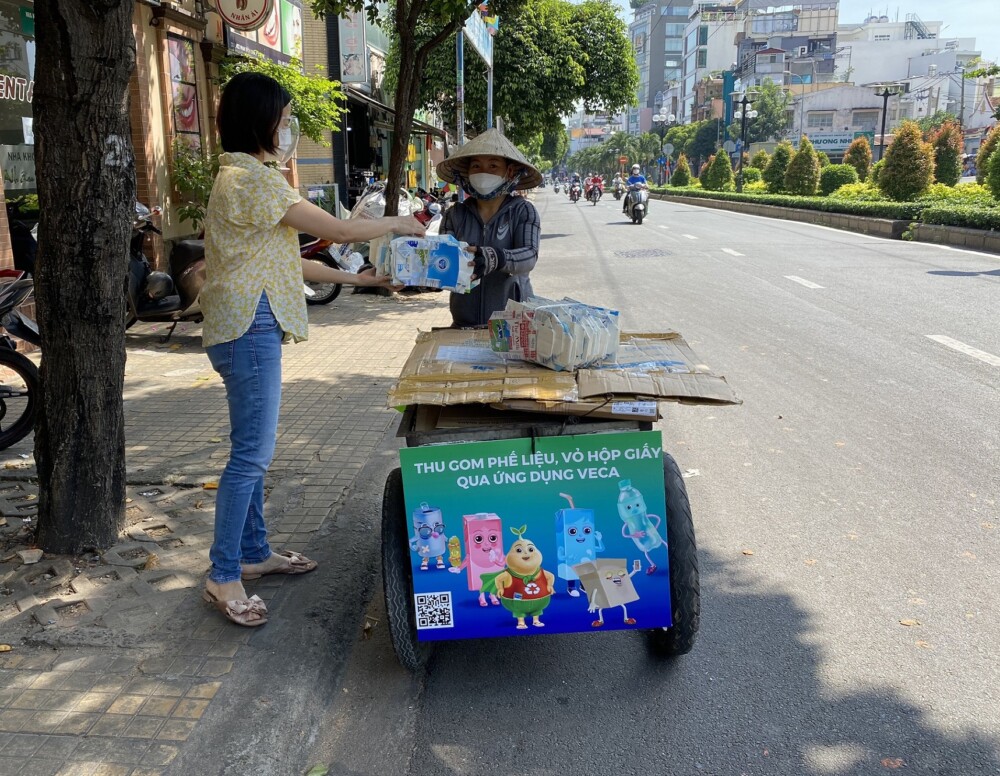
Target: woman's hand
[[409, 225], [369, 278]]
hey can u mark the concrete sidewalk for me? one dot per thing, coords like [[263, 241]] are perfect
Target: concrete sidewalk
[[111, 666]]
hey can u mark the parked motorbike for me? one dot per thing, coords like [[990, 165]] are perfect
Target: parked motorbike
[[636, 203], [160, 296], [619, 189], [574, 193], [594, 195], [318, 250], [19, 383]]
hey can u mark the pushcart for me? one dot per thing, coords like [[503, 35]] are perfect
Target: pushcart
[[397, 559]]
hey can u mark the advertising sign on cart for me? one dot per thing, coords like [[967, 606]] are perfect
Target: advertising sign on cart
[[559, 534]]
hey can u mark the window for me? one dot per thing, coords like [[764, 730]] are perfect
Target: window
[[865, 119], [674, 45], [674, 30], [702, 58], [184, 90], [703, 35], [671, 74], [819, 119], [676, 10]]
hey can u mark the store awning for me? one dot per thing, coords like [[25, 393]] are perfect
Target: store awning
[[418, 127]]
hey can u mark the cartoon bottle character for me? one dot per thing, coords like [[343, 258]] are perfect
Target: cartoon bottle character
[[608, 585], [455, 552], [428, 539], [636, 524], [577, 540], [524, 587], [483, 553]]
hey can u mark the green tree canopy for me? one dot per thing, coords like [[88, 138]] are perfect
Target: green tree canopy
[[705, 140], [771, 103], [930, 124], [549, 56], [680, 137]]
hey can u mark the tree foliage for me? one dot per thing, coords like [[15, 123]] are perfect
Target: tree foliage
[[859, 156], [909, 165], [771, 103], [833, 176], [555, 144], [760, 159], [549, 56], [421, 26], [993, 176], [947, 143], [680, 137], [802, 174], [719, 175], [193, 174], [705, 140], [986, 150], [682, 175], [774, 173], [929, 124], [317, 101]]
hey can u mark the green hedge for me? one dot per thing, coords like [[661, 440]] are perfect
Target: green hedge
[[903, 211], [971, 217]]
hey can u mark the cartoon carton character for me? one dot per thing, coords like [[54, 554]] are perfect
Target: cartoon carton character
[[524, 587], [428, 539], [608, 584], [483, 553], [577, 541]]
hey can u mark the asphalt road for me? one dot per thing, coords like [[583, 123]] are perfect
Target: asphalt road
[[848, 527]]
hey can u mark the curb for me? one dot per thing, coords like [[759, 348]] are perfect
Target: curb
[[958, 236]]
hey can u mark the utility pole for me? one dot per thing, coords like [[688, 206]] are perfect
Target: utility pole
[[961, 108]]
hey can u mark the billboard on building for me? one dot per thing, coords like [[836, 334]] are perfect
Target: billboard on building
[[278, 39], [17, 85], [353, 49]]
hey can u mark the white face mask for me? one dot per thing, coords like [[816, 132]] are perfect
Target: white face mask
[[288, 140], [485, 183]]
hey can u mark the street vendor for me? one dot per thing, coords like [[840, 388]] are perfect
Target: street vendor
[[503, 230]]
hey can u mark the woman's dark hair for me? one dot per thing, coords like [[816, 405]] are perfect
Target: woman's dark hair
[[250, 112]]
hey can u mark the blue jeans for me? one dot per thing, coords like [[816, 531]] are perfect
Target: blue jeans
[[251, 371]]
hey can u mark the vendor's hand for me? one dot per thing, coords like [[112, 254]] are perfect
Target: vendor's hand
[[367, 277], [410, 226]]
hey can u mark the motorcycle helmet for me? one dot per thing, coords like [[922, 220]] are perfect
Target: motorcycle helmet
[[635, 169], [158, 285]]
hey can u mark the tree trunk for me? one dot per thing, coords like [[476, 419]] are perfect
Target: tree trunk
[[86, 193], [407, 94]]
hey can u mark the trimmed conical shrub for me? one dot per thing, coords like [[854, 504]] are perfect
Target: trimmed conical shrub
[[719, 176], [859, 156], [774, 173], [682, 175], [985, 151], [824, 160], [947, 142], [993, 175], [802, 175], [909, 165], [833, 176], [760, 159]]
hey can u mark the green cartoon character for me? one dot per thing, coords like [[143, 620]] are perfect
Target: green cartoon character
[[524, 587]]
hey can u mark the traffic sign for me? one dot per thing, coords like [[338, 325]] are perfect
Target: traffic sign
[[622, 160], [729, 146], [668, 149], [662, 160]]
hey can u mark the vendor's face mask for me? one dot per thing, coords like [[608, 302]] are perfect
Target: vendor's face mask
[[487, 174], [486, 183]]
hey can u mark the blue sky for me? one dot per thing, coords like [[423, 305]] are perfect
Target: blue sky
[[979, 19]]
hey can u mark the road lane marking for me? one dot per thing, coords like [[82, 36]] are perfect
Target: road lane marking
[[689, 236], [731, 252], [662, 226], [968, 350], [802, 281]]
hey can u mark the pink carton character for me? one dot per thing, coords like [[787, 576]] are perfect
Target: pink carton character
[[483, 552]]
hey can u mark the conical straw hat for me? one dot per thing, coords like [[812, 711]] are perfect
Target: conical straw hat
[[490, 143]]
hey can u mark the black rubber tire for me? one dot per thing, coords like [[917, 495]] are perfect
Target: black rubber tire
[[325, 292], [685, 591], [17, 428], [638, 218], [397, 579]]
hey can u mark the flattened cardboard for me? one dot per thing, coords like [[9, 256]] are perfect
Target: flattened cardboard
[[452, 366]]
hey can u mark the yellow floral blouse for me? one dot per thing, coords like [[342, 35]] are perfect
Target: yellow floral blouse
[[248, 251]]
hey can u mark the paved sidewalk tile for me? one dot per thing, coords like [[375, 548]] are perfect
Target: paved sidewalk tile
[[85, 699]]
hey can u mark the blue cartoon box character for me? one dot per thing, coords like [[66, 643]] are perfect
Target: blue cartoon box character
[[577, 541], [429, 540]]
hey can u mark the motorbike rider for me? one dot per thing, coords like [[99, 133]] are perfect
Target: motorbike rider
[[618, 182], [597, 181], [636, 179], [503, 230]]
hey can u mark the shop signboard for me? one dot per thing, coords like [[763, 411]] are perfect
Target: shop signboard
[[245, 15], [548, 535], [477, 32], [353, 49], [17, 86], [278, 37], [834, 141]]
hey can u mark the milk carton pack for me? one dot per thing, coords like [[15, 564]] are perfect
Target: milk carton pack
[[564, 335], [431, 261]]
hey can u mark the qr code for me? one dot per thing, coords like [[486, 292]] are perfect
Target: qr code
[[434, 610]]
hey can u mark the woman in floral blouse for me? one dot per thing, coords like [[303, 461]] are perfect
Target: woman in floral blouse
[[253, 302]]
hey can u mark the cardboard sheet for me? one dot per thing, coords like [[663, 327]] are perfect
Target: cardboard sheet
[[450, 366]]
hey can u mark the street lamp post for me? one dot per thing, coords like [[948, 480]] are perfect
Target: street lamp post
[[885, 95], [745, 112], [662, 122]]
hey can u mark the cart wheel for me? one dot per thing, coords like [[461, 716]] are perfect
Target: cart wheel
[[685, 596], [397, 582]]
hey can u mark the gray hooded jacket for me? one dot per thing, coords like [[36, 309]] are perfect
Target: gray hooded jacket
[[513, 233]]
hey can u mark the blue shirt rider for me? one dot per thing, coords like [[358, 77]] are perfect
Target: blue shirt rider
[[635, 179]]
